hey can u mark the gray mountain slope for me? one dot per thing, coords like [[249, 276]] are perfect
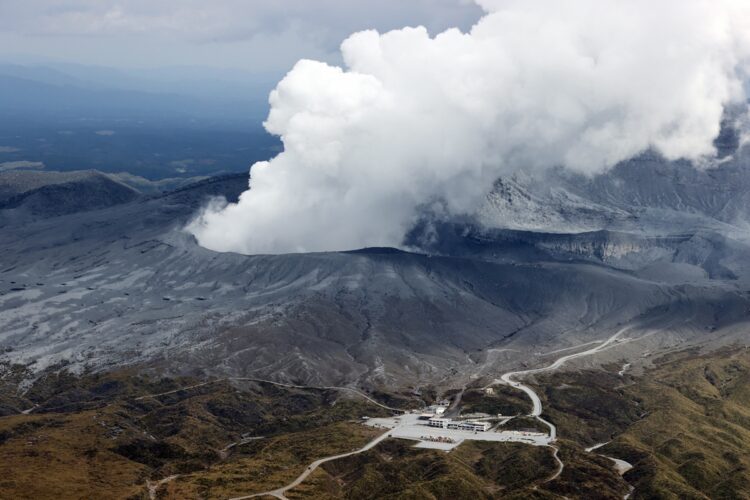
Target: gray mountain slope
[[125, 285], [48, 194], [645, 194]]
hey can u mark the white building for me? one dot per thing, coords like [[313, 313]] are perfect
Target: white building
[[446, 423], [479, 426], [437, 409], [438, 422], [469, 426]]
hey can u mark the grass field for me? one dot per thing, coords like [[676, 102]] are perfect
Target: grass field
[[684, 425]]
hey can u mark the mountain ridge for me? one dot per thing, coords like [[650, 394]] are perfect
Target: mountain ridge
[[125, 284]]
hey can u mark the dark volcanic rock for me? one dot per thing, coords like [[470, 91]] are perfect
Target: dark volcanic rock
[[479, 301]]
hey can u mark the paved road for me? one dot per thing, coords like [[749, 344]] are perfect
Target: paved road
[[279, 492], [507, 378], [29, 410], [536, 411]]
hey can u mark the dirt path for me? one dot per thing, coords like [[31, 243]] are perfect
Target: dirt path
[[508, 378], [280, 384], [326, 387], [174, 391], [560, 464], [280, 492], [153, 486]]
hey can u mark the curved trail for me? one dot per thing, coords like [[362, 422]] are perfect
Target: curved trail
[[326, 387], [153, 486], [506, 378], [622, 466], [280, 384], [560, 464], [279, 492], [536, 410], [175, 391]]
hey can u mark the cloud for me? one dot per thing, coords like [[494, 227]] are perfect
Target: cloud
[[105, 133], [413, 120], [258, 36], [225, 20]]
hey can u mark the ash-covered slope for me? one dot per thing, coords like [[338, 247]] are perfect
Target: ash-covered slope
[[125, 285], [522, 202], [50, 194], [690, 256], [646, 194]]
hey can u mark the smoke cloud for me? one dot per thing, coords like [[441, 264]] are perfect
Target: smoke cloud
[[414, 121]]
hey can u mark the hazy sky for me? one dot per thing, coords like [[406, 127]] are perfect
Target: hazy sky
[[259, 35]]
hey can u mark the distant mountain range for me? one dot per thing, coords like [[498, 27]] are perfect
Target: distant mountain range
[[160, 124], [104, 92]]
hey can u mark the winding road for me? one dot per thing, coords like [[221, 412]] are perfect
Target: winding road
[[153, 486], [509, 378], [536, 410], [279, 492], [560, 464]]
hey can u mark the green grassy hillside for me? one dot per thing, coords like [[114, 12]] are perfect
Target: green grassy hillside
[[684, 424]]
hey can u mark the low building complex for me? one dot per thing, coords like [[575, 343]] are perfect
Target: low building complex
[[468, 425], [445, 433]]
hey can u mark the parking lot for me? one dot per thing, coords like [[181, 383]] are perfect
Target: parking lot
[[409, 426]]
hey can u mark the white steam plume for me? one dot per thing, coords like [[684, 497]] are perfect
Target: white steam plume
[[414, 120]]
